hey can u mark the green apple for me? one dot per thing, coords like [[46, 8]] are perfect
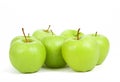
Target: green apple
[[41, 33], [54, 57], [81, 54], [27, 55], [70, 33], [104, 45]]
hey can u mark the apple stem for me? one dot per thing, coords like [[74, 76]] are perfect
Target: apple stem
[[78, 32], [47, 28], [96, 33], [24, 35], [52, 32]]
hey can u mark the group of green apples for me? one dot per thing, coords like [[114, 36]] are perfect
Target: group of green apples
[[81, 52]]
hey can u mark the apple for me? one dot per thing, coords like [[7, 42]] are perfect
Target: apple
[[54, 57], [81, 54], [70, 33], [27, 55], [104, 45], [41, 33]]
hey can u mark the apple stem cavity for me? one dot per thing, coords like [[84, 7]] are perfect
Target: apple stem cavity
[[78, 32], [96, 33], [26, 40]]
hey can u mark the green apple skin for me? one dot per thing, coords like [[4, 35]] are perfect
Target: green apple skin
[[17, 38], [54, 57], [27, 57], [81, 55], [104, 45], [69, 33], [40, 34]]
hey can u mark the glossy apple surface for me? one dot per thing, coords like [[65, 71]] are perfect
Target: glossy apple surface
[[81, 54], [104, 45], [27, 57], [54, 57]]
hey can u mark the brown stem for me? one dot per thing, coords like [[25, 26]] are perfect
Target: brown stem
[[47, 28], [78, 32], [24, 35], [96, 33], [52, 32]]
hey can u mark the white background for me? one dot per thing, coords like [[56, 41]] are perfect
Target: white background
[[90, 15]]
